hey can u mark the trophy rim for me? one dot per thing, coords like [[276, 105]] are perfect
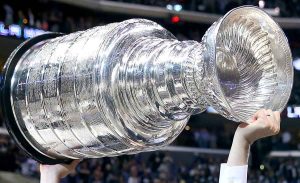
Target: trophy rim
[[5, 102], [212, 42]]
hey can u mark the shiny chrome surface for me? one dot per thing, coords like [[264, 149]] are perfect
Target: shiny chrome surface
[[248, 63], [130, 87]]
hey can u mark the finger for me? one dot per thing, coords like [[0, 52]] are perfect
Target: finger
[[277, 116], [255, 116], [271, 116], [278, 120], [274, 121], [271, 119], [261, 114], [243, 125], [75, 163]]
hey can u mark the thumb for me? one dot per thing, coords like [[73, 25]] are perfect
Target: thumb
[[74, 164], [243, 124]]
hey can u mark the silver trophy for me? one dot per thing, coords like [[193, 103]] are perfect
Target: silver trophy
[[131, 87]]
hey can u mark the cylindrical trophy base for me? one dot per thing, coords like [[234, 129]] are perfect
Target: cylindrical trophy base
[[6, 109]]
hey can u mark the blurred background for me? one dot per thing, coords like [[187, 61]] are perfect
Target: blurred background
[[197, 153]]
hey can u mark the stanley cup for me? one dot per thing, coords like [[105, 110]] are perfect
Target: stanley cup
[[131, 87]]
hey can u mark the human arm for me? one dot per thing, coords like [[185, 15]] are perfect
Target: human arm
[[263, 124], [53, 173]]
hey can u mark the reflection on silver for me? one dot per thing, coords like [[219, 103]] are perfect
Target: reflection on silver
[[129, 87]]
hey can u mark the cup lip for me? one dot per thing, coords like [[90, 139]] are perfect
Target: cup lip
[[212, 49], [5, 102]]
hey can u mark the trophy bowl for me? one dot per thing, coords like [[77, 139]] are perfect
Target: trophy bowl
[[247, 64]]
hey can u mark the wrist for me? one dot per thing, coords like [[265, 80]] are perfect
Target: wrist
[[242, 141], [49, 177], [239, 151]]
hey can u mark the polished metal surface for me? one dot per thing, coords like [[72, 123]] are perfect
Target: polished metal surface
[[248, 63], [130, 87]]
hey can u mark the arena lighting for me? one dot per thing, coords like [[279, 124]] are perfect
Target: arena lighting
[[25, 21], [16, 30], [169, 7], [3, 31], [277, 11], [296, 63], [175, 19], [31, 32], [187, 128], [272, 11], [293, 112], [261, 3], [177, 7], [13, 30]]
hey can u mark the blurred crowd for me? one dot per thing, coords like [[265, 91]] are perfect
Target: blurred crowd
[[286, 8], [219, 138], [276, 170], [51, 16], [160, 167], [65, 19], [46, 16], [156, 167]]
